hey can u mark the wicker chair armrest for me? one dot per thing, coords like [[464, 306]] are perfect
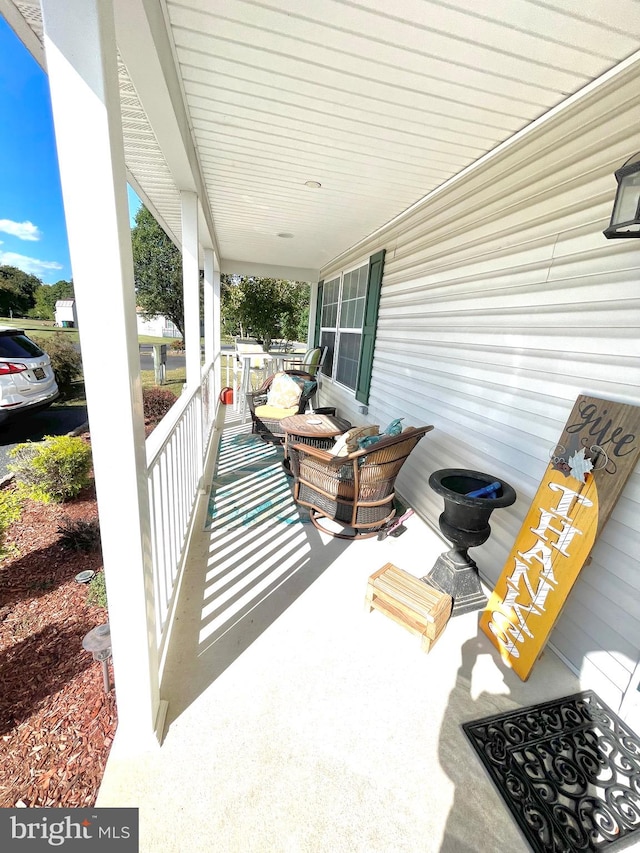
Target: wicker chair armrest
[[302, 373], [388, 440], [256, 398]]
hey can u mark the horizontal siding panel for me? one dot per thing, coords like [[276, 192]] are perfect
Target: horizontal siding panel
[[592, 672], [598, 628], [621, 534]]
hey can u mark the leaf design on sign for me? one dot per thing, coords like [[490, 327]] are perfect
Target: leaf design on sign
[[580, 465]]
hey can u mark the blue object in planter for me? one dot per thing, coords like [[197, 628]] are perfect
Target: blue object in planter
[[488, 491]]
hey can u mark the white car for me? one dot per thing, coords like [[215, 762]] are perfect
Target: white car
[[27, 380]]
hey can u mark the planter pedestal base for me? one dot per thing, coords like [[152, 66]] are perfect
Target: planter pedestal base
[[456, 574]]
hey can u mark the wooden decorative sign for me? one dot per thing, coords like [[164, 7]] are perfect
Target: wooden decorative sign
[[597, 452]]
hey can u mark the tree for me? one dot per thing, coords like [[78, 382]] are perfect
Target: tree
[[157, 267], [17, 291], [267, 308], [294, 322], [47, 295]]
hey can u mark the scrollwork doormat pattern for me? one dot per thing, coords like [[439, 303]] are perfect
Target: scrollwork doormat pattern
[[569, 771]]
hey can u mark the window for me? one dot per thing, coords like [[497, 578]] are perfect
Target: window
[[348, 313]]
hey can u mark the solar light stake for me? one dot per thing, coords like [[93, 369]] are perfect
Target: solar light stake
[[98, 642]]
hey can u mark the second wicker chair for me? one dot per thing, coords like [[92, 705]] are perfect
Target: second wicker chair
[[357, 490]]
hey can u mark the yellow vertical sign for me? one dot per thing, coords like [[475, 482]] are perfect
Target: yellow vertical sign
[[597, 451], [556, 537]]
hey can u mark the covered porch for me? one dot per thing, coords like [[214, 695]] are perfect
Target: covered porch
[[300, 721], [456, 163]]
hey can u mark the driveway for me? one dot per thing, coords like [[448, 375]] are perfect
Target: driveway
[[58, 420]]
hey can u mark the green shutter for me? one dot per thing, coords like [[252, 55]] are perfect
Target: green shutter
[[318, 323], [369, 327]]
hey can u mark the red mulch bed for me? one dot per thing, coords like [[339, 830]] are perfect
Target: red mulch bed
[[56, 722]]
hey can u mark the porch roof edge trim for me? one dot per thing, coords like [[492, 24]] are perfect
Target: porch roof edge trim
[[609, 78], [144, 198], [25, 33], [146, 48]]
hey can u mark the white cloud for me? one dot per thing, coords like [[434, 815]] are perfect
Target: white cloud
[[22, 230], [30, 265]]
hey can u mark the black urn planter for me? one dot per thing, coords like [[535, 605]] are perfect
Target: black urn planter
[[465, 523]]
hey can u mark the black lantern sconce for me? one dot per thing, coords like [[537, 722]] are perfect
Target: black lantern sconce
[[625, 219]]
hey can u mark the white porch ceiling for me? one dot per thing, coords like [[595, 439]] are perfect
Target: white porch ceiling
[[380, 103]]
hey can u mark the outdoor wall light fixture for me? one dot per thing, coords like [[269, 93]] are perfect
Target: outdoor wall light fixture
[[625, 219]]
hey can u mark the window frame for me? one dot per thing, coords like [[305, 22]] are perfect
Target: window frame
[[366, 331]]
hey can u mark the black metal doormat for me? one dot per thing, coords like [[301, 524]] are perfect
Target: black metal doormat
[[569, 770]]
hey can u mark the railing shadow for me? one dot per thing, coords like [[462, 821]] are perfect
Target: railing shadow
[[260, 553], [467, 811]]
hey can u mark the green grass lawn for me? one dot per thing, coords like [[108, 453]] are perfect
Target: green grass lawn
[[41, 328], [76, 395], [45, 329], [175, 379]]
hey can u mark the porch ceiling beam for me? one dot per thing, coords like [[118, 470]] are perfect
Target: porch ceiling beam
[[248, 268], [146, 51]]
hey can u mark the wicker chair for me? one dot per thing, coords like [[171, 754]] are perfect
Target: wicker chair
[[266, 419], [357, 490], [310, 365]]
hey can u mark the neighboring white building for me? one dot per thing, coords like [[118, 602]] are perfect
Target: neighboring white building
[[65, 313], [158, 326]]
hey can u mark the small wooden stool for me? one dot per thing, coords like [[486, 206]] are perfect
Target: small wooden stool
[[409, 601]]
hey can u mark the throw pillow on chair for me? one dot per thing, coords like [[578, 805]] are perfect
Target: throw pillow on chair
[[348, 441], [284, 393]]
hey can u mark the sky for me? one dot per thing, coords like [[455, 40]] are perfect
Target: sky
[[33, 235]]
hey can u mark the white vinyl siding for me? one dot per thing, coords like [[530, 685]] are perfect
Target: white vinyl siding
[[502, 302]]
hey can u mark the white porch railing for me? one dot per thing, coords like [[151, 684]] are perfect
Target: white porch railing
[[176, 452]]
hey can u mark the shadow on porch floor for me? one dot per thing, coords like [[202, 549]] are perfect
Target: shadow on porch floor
[[297, 720]]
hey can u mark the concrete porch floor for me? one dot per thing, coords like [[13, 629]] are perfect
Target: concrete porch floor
[[298, 721]]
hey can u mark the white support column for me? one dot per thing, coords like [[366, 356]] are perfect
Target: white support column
[[210, 350], [191, 286], [217, 322], [217, 311], [81, 59]]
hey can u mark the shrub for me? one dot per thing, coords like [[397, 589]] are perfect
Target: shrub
[[55, 469], [97, 592], [65, 360], [10, 508], [80, 535], [157, 402], [177, 345]]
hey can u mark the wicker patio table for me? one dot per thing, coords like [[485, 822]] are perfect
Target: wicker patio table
[[310, 428]]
